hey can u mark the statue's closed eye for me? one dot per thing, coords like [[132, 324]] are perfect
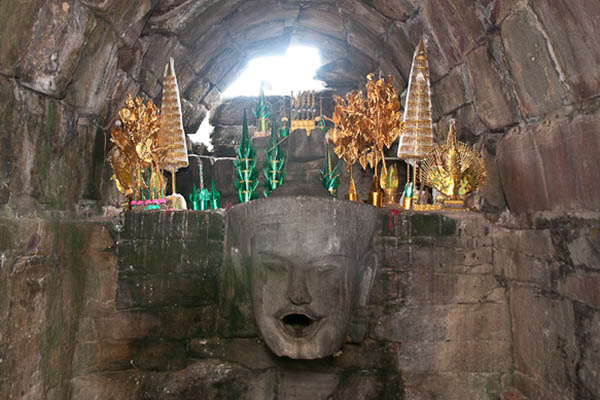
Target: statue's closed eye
[[327, 268], [276, 267]]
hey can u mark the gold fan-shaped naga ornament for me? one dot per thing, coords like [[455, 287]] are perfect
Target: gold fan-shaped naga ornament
[[453, 168]]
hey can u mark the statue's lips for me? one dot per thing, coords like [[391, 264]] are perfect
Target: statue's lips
[[299, 324]]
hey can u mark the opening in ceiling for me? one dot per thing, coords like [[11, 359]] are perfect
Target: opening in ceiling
[[294, 71], [281, 74]]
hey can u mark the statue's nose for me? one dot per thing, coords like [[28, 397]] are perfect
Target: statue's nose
[[297, 290]]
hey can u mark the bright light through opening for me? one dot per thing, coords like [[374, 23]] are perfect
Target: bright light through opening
[[293, 71], [282, 74]]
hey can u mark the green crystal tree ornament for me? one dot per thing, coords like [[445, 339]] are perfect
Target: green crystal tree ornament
[[214, 196], [200, 199], [194, 199], [245, 166], [262, 111], [284, 129], [330, 178], [329, 175], [204, 199], [274, 163]]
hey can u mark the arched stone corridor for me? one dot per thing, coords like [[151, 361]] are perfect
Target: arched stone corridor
[[520, 77]]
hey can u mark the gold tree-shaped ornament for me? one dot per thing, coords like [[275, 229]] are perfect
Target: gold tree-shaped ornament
[[380, 122], [453, 169], [365, 127], [172, 135], [416, 140], [135, 149], [345, 136]]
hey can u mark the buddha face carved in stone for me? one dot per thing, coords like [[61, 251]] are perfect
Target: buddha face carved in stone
[[309, 264]]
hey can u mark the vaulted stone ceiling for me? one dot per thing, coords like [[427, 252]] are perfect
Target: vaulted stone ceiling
[[520, 76]]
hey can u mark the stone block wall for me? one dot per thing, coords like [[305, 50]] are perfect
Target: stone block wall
[[462, 307], [551, 269], [437, 316], [52, 158], [54, 275], [440, 306]]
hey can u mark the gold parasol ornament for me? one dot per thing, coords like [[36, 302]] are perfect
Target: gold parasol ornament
[[416, 139], [453, 169], [172, 135]]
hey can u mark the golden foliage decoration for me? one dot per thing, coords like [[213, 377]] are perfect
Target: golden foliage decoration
[[366, 126], [453, 168], [345, 137], [135, 147]]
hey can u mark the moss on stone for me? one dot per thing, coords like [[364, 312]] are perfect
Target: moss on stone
[[230, 389], [425, 224], [425, 241], [45, 154], [52, 118], [66, 300], [6, 125], [75, 241], [448, 226], [54, 335], [216, 226], [236, 319], [388, 374]]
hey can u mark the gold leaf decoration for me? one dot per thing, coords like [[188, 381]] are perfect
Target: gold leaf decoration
[[365, 126], [134, 148]]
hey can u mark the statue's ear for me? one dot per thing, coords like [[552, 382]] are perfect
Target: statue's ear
[[369, 270], [360, 320], [237, 261]]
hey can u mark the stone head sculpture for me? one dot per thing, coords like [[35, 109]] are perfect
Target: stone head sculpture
[[309, 262]]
